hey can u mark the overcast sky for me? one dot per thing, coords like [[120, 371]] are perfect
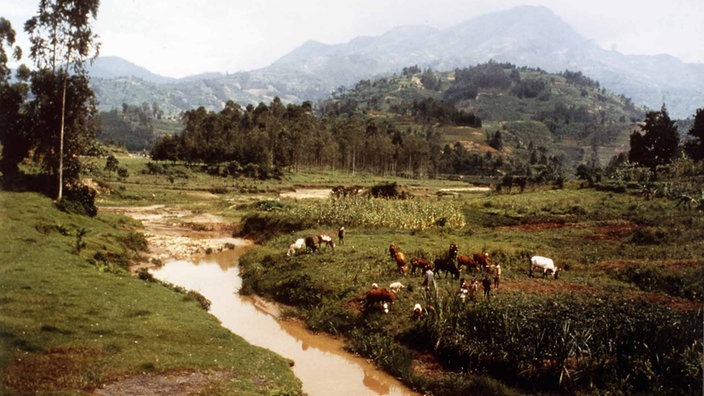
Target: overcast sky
[[177, 38]]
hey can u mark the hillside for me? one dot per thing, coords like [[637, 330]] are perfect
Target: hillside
[[526, 36], [566, 114]]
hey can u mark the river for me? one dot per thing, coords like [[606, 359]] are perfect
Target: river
[[321, 364]]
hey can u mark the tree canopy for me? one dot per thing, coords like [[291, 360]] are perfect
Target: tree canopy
[[657, 141], [695, 147]]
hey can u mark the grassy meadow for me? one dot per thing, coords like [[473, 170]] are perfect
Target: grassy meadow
[[72, 318]]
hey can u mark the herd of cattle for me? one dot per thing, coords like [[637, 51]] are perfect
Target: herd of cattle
[[450, 263]]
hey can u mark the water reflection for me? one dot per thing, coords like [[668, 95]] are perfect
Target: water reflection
[[320, 363]]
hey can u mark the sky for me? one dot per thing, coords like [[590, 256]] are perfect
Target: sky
[[178, 38]]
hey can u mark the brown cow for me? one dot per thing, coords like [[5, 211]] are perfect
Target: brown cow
[[482, 259], [467, 261], [399, 258], [393, 249], [401, 263], [376, 296], [419, 262], [443, 264]]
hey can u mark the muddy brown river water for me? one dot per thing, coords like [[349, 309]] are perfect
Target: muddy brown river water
[[321, 364]]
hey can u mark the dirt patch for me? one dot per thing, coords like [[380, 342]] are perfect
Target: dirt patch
[[57, 368], [426, 365], [307, 193], [613, 231], [178, 234], [542, 286], [189, 383], [466, 189], [539, 226], [675, 303]]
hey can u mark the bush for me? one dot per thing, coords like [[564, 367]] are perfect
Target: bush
[[263, 226], [648, 236], [79, 200], [135, 241]]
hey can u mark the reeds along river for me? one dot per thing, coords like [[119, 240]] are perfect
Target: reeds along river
[[321, 364]]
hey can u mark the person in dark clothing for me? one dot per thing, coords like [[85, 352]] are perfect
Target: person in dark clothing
[[341, 236], [487, 286]]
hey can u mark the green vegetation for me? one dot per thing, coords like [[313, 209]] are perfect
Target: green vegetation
[[629, 264], [73, 318]]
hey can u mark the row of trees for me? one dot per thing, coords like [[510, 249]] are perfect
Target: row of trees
[[133, 127], [49, 112], [286, 137]]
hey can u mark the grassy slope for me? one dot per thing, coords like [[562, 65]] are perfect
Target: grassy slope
[[68, 326]]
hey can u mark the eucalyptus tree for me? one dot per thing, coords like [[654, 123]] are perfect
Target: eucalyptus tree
[[13, 137], [62, 42]]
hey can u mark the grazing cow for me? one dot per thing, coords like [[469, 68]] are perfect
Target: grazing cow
[[443, 264], [544, 263], [310, 244], [396, 287], [327, 240], [393, 249], [399, 258], [419, 262], [375, 296], [296, 246], [482, 259], [418, 312], [401, 263], [468, 262]]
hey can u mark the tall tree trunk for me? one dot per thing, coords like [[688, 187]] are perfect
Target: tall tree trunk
[[61, 138]]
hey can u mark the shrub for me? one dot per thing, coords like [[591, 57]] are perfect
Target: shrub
[[390, 190], [135, 241], [263, 226], [79, 200], [647, 236]]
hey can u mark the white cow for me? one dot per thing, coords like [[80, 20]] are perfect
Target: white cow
[[396, 287], [300, 244], [544, 263]]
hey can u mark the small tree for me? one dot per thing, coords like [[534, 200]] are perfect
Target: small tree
[[658, 143], [695, 147], [111, 164]]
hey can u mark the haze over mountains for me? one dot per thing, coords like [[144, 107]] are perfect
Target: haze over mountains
[[525, 36]]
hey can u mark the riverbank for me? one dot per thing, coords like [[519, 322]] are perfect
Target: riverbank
[[75, 322]]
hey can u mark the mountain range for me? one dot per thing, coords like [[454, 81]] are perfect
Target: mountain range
[[524, 36]]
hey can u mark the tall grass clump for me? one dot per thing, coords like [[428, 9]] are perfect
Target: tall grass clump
[[569, 344], [409, 214]]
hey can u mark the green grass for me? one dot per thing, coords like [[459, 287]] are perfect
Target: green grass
[[68, 325]]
